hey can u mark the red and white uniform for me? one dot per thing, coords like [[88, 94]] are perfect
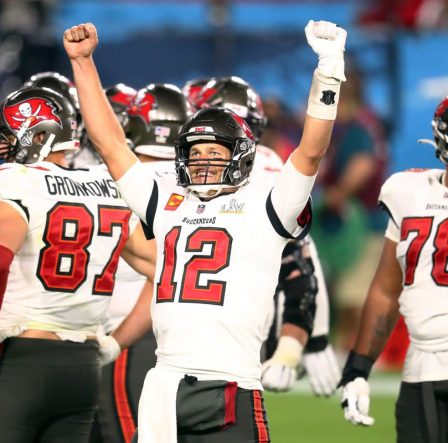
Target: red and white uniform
[[418, 205], [62, 278], [217, 268], [128, 282]]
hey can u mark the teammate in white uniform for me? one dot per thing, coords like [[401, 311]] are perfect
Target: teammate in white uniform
[[62, 232], [298, 323], [213, 288], [411, 279]]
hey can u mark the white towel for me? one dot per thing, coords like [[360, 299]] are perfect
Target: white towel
[[157, 407]]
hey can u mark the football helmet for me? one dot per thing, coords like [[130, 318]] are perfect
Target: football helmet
[[41, 121], [155, 119], [57, 82], [192, 88], [120, 96], [222, 126], [235, 94], [440, 130]]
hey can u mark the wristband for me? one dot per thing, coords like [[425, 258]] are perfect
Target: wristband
[[316, 344], [324, 97], [357, 365]]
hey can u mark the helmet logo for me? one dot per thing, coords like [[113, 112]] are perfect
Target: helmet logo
[[30, 112], [142, 107], [204, 96], [244, 125], [122, 98]]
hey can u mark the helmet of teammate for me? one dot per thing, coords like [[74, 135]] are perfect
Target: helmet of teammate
[[216, 125], [6, 139], [121, 98], [192, 88], [158, 113], [41, 121], [235, 94], [440, 130], [57, 82]]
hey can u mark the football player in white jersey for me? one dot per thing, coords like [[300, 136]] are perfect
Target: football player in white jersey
[[411, 279], [213, 288], [298, 324], [154, 119], [62, 232]]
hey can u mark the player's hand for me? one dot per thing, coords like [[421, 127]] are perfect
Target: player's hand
[[328, 41], [109, 349], [80, 41], [279, 372], [323, 371], [277, 377], [355, 402]]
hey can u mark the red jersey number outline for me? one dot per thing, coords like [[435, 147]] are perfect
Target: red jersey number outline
[[75, 248], [219, 258], [423, 227]]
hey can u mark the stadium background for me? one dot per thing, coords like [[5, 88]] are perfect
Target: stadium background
[[143, 41]]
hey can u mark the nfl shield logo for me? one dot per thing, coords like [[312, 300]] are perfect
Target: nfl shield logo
[[200, 209]]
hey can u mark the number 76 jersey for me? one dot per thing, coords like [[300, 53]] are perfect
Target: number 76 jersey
[[63, 275], [417, 202]]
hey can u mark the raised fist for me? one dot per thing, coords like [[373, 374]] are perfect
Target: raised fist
[[328, 41], [80, 41]]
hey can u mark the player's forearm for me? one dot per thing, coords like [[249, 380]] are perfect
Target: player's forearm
[[313, 145], [138, 322], [296, 332], [378, 319], [102, 125]]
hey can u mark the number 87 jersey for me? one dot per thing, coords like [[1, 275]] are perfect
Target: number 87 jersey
[[63, 276], [417, 202]]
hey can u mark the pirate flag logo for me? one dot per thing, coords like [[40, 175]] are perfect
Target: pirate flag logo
[[30, 112], [142, 107]]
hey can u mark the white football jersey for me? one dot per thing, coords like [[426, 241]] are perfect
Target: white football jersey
[[63, 276], [217, 270], [129, 283], [417, 202]]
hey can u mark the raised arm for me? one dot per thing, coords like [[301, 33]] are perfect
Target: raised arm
[[102, 125], [328, 41]]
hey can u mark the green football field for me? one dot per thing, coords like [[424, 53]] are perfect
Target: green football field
[[300, 417]]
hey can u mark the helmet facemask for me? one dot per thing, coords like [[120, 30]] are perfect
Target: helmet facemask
[[440, 131], [235, 171]]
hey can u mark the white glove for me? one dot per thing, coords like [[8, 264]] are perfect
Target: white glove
[[355, 401], [279, 372], [328, 41], [323, 371], [109, 349]]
